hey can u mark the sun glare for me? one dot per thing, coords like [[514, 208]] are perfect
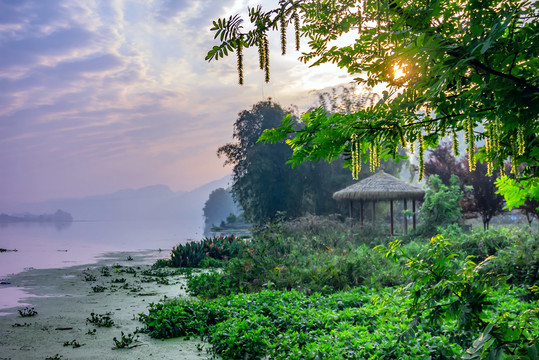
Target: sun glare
[[398, 71]]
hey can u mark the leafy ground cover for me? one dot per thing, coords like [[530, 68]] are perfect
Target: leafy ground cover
[[361, 323], [306, 291]]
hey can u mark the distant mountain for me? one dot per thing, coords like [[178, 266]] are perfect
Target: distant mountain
[[151, 202]]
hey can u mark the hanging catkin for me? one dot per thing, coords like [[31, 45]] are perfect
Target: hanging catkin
[[261, 53], [514, 148], [239, 52], [470, 140], [283, 34], [296, 29], [456, 152], [520, 140], [488, 150], [266, 59], [356, 157], [421, 156]]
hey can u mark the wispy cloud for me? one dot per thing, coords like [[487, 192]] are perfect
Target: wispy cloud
[[101, 95]]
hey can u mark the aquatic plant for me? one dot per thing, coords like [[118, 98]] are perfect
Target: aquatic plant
[[125, 341], [101, 320], [74, 343], [210, 252], [27, 312], [98, 288]]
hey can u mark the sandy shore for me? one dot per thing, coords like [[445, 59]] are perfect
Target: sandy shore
[[65, 298]]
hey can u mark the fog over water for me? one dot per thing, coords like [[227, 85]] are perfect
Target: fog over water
[[50, 245]]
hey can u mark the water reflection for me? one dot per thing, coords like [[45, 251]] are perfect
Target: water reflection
[[59, 225], [50, 245]]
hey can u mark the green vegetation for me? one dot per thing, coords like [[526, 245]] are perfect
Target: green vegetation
[[101, 320], [441, 206], [210, 252], [318, 288], [219, 206], [126, 341], [27, 312], [449, 66]]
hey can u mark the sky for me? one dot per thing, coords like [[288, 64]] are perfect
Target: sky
[[98, 96]]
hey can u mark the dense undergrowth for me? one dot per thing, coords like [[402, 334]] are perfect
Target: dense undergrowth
[[318, 289]]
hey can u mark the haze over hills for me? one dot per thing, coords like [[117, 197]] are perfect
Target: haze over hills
[[156, 202]]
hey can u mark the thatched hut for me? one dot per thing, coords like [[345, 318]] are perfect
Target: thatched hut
[[381, 187]]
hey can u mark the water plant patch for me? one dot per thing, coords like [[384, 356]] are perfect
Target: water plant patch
[[27, 312], [101, 320]]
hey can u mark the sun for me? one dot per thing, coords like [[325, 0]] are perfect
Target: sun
[[398, 71]]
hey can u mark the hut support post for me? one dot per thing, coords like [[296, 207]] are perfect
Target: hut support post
[[406, 218], [373, 213], [350, 208], [391, 212], [361, 213], [413, 209]]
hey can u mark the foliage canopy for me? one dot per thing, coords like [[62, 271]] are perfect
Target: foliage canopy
[[449, 66]]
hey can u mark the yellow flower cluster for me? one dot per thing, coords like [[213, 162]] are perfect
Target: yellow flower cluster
[[374, 156], [456, 151], [489, 140], [263, 56], [283, 34], [356, 157], [470, 141], [421, 156]]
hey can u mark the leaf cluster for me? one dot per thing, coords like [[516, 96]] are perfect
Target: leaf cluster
[[468, 66]]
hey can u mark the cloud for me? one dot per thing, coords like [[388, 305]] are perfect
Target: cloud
[[97, 90]]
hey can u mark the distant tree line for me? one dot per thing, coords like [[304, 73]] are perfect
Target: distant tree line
[[58, 216], [218, 208]]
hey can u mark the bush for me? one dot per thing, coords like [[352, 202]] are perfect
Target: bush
[[441, 206], [199, 254], [311, 254], [515, 251]]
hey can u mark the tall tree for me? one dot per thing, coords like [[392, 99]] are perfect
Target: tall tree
[[441, 161], [449, 65], [260, 174]]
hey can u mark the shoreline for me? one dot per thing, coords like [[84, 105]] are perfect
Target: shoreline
[[64, 298]]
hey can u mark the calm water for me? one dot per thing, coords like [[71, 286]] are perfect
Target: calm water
[[43, 246]]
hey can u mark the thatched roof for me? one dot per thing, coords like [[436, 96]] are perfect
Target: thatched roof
[[380, 186]]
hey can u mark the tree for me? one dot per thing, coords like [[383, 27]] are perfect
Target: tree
[[477, 187], [441, 206], [260, 178], [531, 209], [449, 66], [218, 206], [441, 161], [265, 185], [486, 201]]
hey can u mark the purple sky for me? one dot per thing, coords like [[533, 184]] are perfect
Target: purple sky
[[97, 96]]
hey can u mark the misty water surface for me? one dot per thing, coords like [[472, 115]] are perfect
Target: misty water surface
[[50, 245]]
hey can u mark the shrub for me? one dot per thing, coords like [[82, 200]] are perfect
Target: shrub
[[441, 206], [192, 254], [281, 256]]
